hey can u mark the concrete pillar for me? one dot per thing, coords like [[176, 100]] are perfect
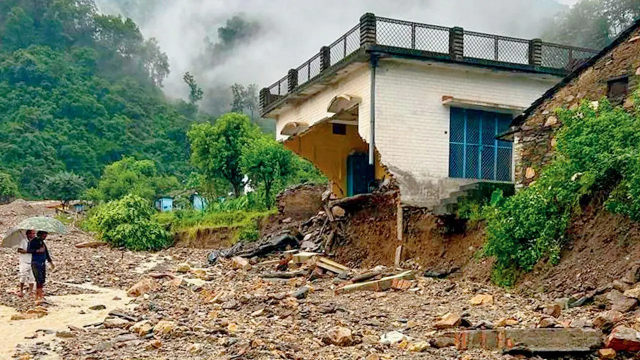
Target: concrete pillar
[[292, 80], [264, 98], [368, 35], [535, 52], [456, 43], [325, 58]]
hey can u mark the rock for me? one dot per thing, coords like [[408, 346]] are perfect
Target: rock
[[633, 275], [308, 245], [91, 244], [483, 299], [530, 173], [183, 268], [65, 334], [420, 346], [338, 212], [446, 340], [194, 348], [164, 327], [623, 338], [116, 323], [551, 120], [547, 322], [448, 321], [142, 328], [633, 293], [372, 357], [257, 313], [606, 320], [506, 322], [607, 354], [230, 305], [620, 286], [552, 310], [155, 344], [338, 336], [144, 286], [580, 323], [392, 337], [301, 293], [620, 302], [97, 307], [241, 263], [563, 302]]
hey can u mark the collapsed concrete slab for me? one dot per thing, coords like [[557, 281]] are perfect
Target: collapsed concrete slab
[[531, 340]]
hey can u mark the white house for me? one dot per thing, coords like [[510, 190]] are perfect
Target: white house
[[420, 103]]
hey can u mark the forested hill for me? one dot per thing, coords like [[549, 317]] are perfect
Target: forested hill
[[78, 90]]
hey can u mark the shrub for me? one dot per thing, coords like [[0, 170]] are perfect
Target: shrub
[[8, 187], [128, 223], [598, 151]]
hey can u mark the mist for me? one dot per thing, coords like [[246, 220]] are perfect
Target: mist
[[291, 31]]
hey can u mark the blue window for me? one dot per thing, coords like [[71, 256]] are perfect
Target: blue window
[[474, 152]]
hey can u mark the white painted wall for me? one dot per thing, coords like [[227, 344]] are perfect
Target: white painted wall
[[314, 109], [412, 125]]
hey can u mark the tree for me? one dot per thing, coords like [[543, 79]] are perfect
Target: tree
[[64, 186], [195, 92], [131, 176], [216, 149], [8, 187], [266, 162]]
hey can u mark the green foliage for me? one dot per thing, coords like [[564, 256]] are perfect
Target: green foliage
[[216, 149], [131, 176], [79, 90], [64, 186], [8, 187], [195, 92], [129, 223], [598, 149], [265, 162]]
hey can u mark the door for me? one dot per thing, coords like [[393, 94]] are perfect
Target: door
[[359, 174], [474, 152]]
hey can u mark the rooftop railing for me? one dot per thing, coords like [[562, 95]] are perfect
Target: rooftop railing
[[453, 43]]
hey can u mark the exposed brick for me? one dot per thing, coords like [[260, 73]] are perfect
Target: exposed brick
[[535, 340]]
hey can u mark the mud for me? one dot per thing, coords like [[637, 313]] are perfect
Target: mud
[[206, 238]]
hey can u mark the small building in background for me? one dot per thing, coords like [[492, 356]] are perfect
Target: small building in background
[[164, 204], [198, 202]]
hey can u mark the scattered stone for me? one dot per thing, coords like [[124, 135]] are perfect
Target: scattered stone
[[155, 344], [552, 310], [97, 307], [620, 286], [620, 302], [143, 287], [301, 293], [551, 121], [116, 323], [419, 346], [633, 293], [183, 268], [91, 244], [448, 321], [504, 322], [65, 334], [393, 337], [339, 336], [530, 173], [338, 212], [194, 348], [164, 327], [623, 338], [241, 263], [606, 320], [446, 340], [633, 275], [580, 323], [547, 322], [607, 354], [483, 299], [142, 328]]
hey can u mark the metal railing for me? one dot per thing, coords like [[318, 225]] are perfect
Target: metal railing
[[456, 43]]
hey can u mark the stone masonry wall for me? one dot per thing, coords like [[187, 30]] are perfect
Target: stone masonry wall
[[534, 144]]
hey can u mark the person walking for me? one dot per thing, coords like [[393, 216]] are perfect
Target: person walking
[[40, 256], [25, 273]]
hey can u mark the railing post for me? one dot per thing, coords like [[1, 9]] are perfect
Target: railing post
[[368, 30], [535, 52], [413, 35], [456, 43], [264, 98], [325, 58], [292, 80]]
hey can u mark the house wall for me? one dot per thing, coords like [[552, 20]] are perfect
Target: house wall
[[534, 144], [314, 109], [412, 125]]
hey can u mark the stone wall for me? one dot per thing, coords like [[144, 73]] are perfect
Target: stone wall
[[534, 145]]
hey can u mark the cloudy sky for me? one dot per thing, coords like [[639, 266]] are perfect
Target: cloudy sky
[[294, 30]]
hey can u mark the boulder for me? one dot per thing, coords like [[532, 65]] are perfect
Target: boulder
[[142, 328], [623, 338], [448, 321], [607, 319], [633, 293], [392, 337], [144, 286], [482, 299], [339, 336], [620, 302]]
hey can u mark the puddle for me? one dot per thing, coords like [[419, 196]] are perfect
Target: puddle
[[64, 311]]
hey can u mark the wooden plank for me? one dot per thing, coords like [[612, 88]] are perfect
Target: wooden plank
[[377, 285]]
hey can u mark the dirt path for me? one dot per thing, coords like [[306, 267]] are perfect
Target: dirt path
[[66, 310]]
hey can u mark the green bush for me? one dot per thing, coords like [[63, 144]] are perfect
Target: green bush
[[598, 152], [129, 223]]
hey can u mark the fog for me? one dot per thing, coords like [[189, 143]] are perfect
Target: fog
[[294, 30]]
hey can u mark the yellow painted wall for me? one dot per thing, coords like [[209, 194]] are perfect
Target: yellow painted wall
[[329, 152]]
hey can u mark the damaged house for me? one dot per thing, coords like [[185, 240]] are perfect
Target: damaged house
[[418, 103], [613, 73]]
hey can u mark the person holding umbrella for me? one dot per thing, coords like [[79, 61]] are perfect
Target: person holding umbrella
[[40, 255], [25, 273]]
